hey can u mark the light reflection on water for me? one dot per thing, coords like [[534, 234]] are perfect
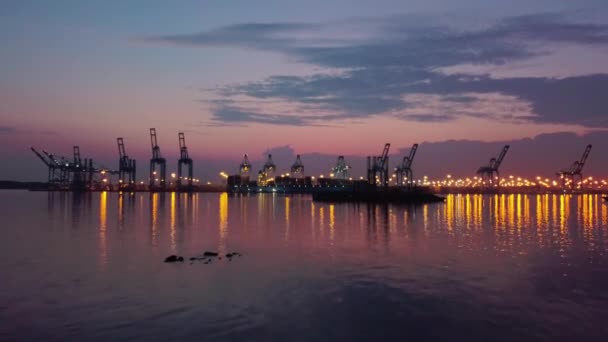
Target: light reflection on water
[[223, 226], [103, 214], [500, 267]]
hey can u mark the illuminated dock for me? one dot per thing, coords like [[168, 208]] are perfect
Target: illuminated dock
[[83, 174]]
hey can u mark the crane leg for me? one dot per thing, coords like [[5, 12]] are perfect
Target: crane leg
[[163, 175], [179, 174], [152, 176]]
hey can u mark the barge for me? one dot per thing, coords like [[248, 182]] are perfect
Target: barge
[[364, 192]]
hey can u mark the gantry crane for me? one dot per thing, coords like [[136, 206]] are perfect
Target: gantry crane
[[377, 168], [184, 159], [269, 166], [405, 175], [267, 172], [157, 159], [126, 167], [341, 169], [575, 170], [297, 169], [490, 171], [76, 174], [245, 167]]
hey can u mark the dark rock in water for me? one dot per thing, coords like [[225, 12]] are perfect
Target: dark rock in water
[[171, 258], [207, 257], [174, 258]]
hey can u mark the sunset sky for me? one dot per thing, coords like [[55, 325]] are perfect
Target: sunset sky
[[317, 78]]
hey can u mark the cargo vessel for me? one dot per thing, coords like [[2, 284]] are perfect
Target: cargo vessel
[[360, 191]]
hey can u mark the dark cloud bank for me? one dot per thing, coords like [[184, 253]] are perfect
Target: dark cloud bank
[[404, 57]]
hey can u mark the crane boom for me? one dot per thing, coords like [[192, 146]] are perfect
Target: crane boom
[[384, 156], [52, 158], [121, 148], [581, 163], [410, 158], [77, 160], [46, 162], [154, 143], [500, 158], [183, 149]]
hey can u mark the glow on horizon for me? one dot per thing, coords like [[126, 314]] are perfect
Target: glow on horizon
[[70, 81]]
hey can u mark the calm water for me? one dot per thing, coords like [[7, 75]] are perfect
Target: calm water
[[498, 268]]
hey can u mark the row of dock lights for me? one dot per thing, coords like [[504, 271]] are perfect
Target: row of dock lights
[[476, 181], [449, 181], [510, 181]]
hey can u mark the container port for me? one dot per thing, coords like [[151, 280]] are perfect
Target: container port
[[83, 174]]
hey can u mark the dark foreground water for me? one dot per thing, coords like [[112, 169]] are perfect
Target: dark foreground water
[[477, 268]]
